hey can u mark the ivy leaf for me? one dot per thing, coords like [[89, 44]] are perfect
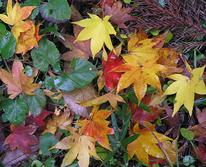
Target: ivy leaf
[[47, 141], [83, 74], [56, 11], [46, 54], [36, 102], [7, 43], [15, 111]]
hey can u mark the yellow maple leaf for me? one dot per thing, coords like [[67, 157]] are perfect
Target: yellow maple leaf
[[58, 121], [97, 126], [28, 39], [15, 16], [185, 88], [146, 144], [111, 98], [80, 147], [139, 74], [144, 48], [98, 30], [18, 82]]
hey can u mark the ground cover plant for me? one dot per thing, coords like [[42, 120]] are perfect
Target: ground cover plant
[[110, 83]]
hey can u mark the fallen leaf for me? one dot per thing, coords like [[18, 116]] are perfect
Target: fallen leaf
[[146, 144], [98, 30], [17, 82], [15, 16], [185, 89], [170, 149], [38, 121], [22, 137], [139, 74], [201, 153], [103, 3], [97, 126], [28, 39], [119, 14], [140, 115], [109, 97], [111, 78], [78, 49], [80, 147], [58, 122], [12, 158], [72, 99]]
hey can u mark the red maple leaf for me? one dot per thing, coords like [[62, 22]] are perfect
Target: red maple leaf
[[119, 14], [140, 115], [111, 78], [22, 137], [102, 3], [39, 120]]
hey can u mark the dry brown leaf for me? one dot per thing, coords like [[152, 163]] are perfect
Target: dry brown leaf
[[72, 99]]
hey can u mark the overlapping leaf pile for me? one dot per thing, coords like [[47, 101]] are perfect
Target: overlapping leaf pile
[[104, 97]]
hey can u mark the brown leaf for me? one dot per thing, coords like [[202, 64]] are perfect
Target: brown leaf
[[72, 99], [77, 49], [58, 121], [15, 157], [119, 14]]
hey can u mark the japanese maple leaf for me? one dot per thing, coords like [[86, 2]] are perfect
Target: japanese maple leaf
[[109, 97], [15, 16], [139, 75], [58, 121], [28, 39], [18, 82], [77, 49], [102, 3], [119, 14], [140, 115], [111, 78], [97, 126], [185, 88], [80, 147], [98, 30], [146, 144], [22, 137], [39, 121], [144, 48]]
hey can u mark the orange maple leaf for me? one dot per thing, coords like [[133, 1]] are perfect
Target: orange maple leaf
[[146, 144], [28, 39], [97, 126], [17, 82]]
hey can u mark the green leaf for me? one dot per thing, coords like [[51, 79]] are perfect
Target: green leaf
[[56, 11], [7, 43], [127, 1], [46, 142], [83, 74], [129, 140], [115, 126], [15, 111], [46, 54], [187, 134], [36, 3], [36, 102], [169, 37]]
